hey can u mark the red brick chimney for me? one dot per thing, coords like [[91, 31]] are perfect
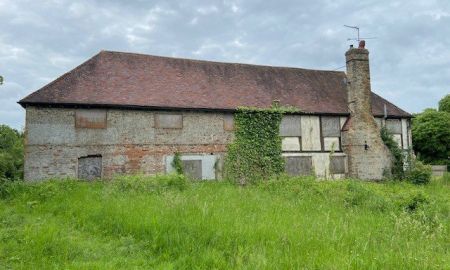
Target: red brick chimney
[[368, 157]]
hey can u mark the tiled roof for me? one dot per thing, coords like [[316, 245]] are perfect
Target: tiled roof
[[116, 79]]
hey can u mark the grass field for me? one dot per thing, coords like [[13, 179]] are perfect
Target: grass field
[[166, 223]]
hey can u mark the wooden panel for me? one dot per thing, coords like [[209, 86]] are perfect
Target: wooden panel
[[298, 165], [90, 118], [311, 133], [331, 126], [90, 167], [290, 144], [228, 122], [398, 139], [337, 164], [342, 121], [405, 133], [291, 126], [331, 144], [394, 126], [192, 168], [174, 121]]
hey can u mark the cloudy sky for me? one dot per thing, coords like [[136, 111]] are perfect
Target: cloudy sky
[[410, 59]]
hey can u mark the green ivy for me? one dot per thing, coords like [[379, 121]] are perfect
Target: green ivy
[[177, 164], [397, 170], [255, 154]]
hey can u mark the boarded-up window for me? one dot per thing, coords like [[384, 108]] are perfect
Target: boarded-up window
[[398, 139], [331, 126], [291, 126], [90, 118], [331, 144], [166, 120], [192, 168], [337, 164], [290, 144], [298, 165], [394, 126], [228, 122], [90, 167]]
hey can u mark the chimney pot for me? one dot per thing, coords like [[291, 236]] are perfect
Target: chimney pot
[[362, 44]]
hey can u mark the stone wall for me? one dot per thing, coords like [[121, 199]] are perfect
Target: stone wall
[[130, 143], [138, 141]]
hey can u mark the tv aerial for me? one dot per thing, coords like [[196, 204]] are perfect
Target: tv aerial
[[357, 31]]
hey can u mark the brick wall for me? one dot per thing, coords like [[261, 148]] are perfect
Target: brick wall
[[130, 143], [368, 157]]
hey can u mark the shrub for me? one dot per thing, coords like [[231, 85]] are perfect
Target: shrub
[[415, 201], [397, 170], [431, 136], [11, 153], [177, 164], [420, 173]]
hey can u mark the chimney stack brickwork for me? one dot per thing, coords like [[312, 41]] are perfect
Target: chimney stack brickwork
[[368, 156]]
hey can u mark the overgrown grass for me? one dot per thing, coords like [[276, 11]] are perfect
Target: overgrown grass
[[165, 222]]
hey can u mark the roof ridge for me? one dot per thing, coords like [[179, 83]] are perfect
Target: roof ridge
[[218, 62]]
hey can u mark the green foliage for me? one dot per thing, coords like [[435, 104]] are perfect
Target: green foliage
[[149, 184], [177, 164], [11, 153], [431, 136], [444, 104], [256, 151], [420, 174], [282, 223], [397, 170], [1, 80]]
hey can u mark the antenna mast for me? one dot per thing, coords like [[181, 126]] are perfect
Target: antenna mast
[[357, 31]]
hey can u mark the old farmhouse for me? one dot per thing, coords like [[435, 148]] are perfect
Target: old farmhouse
[[121, 113]]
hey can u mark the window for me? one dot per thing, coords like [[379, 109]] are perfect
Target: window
[[394, 127], [290, 144], [90, 167], [337, 164], [331, 133], [299, 165], [192, 168], [291, 132], [170, 121], [291, 126], [196, 166], [228, 122], [90, 118]]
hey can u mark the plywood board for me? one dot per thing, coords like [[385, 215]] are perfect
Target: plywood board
[[171, 121], [290, 144], [331, 126], [310, 133], [90, 118], [300, 165], [291, 126]]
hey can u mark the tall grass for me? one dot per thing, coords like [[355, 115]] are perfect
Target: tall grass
[[165, 222]]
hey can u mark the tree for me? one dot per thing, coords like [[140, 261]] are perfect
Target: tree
[[444, 104], [11, 153], [1, 80], [431, 135]]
